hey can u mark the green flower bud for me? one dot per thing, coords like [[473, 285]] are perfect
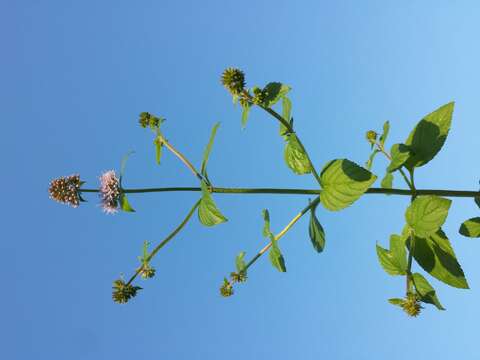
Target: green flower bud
[[258, 95], [411, 305], [147, 272], [123, 292], [239, 277], [371, 136], [234, 80], [226, 289]]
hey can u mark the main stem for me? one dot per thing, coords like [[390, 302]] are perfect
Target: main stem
[[285, 191]]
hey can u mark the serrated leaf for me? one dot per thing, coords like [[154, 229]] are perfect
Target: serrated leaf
[[276, 257], [343, 183], [208, 213], [471, 228], [384, 136], [208, 149], [437, 257], [426, 214], [369, 163], [393, 261], [240, 262], [273, 92], [396, 301], [426, 291], [428, 137], [387, 181], [124, 204], [316, 232], [399, 153], [245, 112], [266, 223], [295, 157]]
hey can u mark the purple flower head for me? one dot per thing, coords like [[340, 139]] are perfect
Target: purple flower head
[[109, 192]]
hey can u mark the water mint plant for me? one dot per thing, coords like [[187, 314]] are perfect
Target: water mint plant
[[340, 183]]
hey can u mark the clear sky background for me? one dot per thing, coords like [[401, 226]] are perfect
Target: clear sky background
[[76, 74]]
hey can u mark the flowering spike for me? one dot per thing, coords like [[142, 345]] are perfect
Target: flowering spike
[[65, 190], [234, 80], [109, 192]]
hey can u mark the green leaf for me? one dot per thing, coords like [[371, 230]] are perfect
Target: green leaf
[[437, 257], [276, 257], [124, 204], [369, 163], [426, 291], [266, 223], [428, 137], [384, 136], [396, 301], [240, 262], [393, 261], [287, 116], [426, 214], [208, 149], [316, 232], [158, 149], [208, 213], [399, 153], [387, 181], [471, 228], [343, 182], [273, 92], [295, 157]]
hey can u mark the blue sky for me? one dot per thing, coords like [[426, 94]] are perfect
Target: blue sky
[[75, 76]]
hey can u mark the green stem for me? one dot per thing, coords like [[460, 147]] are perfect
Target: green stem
[[182, 158], [166, 240], [222, 190], [284, 231]]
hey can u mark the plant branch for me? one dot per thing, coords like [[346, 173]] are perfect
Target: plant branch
[[166, 240], [182, 158], [284, 231], [286, 191]]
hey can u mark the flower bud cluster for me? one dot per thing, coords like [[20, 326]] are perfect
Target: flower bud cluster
[[411, 305], [149, 120], [123, 292], [66, 190], [234, 80]]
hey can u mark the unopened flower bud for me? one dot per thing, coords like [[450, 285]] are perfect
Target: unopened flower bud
[[234, 80], [66, 190], [411, 305], [226, 289], [147, 272], [239, 277], [123, 292], [371, 136]]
